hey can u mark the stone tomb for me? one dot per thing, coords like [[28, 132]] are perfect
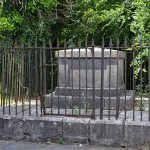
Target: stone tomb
[[75, 79]]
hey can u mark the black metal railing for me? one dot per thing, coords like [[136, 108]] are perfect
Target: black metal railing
[[86, 80]]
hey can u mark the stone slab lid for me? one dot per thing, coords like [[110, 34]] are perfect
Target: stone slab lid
[[87, 52]]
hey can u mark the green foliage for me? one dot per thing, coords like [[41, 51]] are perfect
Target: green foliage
[[141, 91], [109, 18], [24, 20], [61, 141], [141, 56], [75, 110], [5, 24]]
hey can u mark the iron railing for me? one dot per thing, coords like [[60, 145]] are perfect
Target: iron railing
[[105, 81]]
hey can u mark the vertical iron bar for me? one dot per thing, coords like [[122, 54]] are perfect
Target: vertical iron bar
[[41, 81], [79, 44], [44, 69], [125, 77], [93, 78], [1, 77], [36, 76], [26, 76], [9, 87], [141, 80], [131, 76], [29, 78], [102, 79], [149, 79], [52, 74], [58, 77], [110, 59], [22, 79], [44, 77], [72, 74], [7, 76], [3, 74], [117, 96], [133, 51], [65, 45], [86, 76], [15, 83], [12, 79], [1, 51], [19, 77]]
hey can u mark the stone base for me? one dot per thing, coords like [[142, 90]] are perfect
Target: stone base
[[52, 100], [76, 92]]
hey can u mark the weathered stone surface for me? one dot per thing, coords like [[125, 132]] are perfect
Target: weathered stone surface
[[11, 128], [88, 53], [31, 129], [45, 129], [137, 133], [69, 130], [75, 78], [76, 130], [81, 130], [52, 101], [75, 70], [89, 91], [105, 132]]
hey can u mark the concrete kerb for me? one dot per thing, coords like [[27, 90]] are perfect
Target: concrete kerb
[[137, 133], [31, 128], [71, 130], [75, 130], [106, 132]]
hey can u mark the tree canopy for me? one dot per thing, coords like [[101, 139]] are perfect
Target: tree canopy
[[22, 20]]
